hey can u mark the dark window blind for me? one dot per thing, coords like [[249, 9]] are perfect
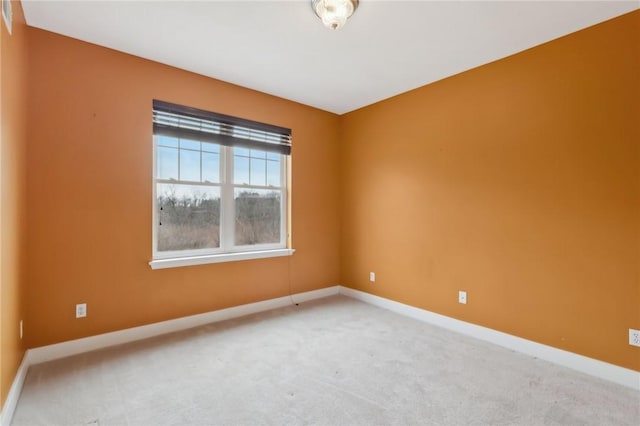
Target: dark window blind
[[190, 123]]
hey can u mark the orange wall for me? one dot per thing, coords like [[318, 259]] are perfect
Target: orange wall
[[13, 148], [90, 194], [518, 182]]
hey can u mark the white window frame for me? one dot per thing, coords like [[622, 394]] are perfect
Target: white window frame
[[227, 251], [7, 14]]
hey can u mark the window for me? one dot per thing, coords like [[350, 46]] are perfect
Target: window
[[219, 187]]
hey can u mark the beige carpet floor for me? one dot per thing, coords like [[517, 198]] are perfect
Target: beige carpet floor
[[335, 361]]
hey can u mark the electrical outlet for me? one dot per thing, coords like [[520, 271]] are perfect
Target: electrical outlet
[[21, 330], [634, 337], [462, 297], [372, 277], [81, 310]]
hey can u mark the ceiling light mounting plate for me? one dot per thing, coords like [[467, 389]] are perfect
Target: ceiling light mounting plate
[[334, 13]]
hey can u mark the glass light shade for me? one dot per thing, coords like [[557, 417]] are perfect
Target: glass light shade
[[334, 13]]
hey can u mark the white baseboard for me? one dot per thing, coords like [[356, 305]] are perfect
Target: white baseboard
[[10, 403], [315, 294], [593, 367], [74, 347]]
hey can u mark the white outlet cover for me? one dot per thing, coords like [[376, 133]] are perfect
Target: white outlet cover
[[372, 277], [81, 310], [462, 297], [634, 337]]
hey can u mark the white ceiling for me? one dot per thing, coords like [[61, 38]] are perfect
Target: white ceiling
[[281, 47]]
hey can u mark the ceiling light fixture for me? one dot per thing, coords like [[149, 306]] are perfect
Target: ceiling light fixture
[[334, 13]]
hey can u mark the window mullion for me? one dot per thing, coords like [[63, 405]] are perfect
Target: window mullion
[[179, 159], [227, 228], [284, 202]]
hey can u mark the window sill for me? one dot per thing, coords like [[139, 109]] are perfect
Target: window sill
[[177, 262]]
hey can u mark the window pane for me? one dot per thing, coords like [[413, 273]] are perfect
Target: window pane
[[167, 163], [241, 151], [167, 141], [188, 217], [190, 165], [273, 156], [257, 216], [189, 144], [210, 167], [210, 147], [273, 173], [258, 172], [258, 154], [241, 170]]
